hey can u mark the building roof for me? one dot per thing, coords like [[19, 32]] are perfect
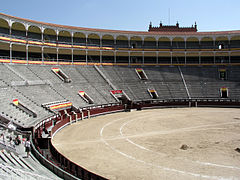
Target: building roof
[[126, 32]]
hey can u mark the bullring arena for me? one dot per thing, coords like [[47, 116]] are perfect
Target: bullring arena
[[147, 144], [102, 104]]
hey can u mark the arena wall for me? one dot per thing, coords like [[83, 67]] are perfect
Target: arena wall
[[70, 167]]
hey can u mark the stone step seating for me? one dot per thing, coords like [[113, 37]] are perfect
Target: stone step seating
[[45, 73], [74, 75], [140, 90], [206, 74], [111, 74], [125, 72], [13, 165], [153, 74], [8, 75], [162, 90], [104, 90], [13, 161], [90, 74], [94, 94], [70, 91], [233, 73], [25, 72], [40, 93], [7, 94]]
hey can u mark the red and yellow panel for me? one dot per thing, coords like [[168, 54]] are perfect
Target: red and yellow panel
[[151, 90], [60, 106], [56, 70], [15, 101], [117, 92], [224, 88], [81, 93], [139, 69], [222, 70]]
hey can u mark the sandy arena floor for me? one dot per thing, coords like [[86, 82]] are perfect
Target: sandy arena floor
[[146, 144]]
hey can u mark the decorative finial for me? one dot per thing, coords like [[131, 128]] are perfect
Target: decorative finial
[[150, 25], [160, 23]]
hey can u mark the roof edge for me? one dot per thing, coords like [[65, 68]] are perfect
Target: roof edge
[[124, 31]]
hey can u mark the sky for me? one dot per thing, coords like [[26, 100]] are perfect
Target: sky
[[210, 15]]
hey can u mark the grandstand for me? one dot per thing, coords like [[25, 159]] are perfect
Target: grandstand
[[52, 75]]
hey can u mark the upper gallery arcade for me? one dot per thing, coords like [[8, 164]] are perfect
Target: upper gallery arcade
[[31, 40]]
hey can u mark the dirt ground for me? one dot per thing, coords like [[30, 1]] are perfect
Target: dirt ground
[[147, 144]]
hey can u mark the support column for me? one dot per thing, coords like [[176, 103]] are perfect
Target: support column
[[10, 31], [26, 33], [143, 58], [129, 58], [115, 57], [10, 52], [72, 55], [214, 57], [86, 57], [27, 53], [89, 114], [57, 56], [82, 115], [72, 45], [72, 38], [185, 58], [57, 38], [171, 58], [214, 54], [100, 41], [42, 55], [157, 53], [42, 31], [57, 45], [199, 58], [100, 56], [229, 57], [10, 46], [115, 42]]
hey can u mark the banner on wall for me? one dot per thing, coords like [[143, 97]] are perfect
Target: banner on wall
[[81, 93], [141, 74], [153, 93], [151, 90], [85, 97], [60, 106], [224, 88], [55, 70], [15, 101], [139, 69], [224, 92], [117, 92]]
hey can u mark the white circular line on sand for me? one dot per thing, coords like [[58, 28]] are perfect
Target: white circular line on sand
[[180, 130], [151, 164], [139, 146]]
